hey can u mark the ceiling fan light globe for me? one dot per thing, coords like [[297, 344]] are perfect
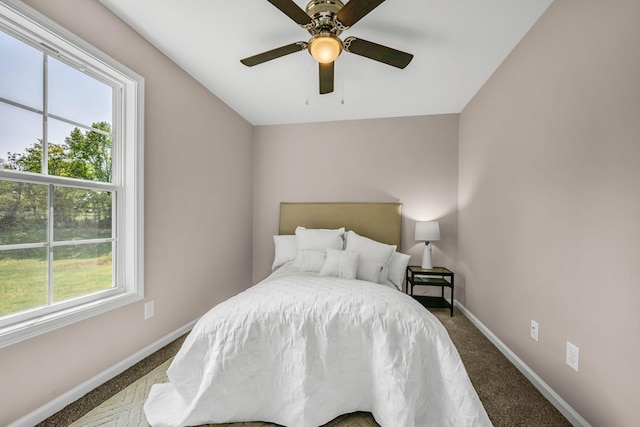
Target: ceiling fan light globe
[[325, 49]]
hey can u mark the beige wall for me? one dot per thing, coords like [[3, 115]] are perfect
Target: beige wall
[[412, 160], [549, 203], [547, 226], [197, 220]]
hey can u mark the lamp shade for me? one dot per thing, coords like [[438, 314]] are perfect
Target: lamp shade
[[325, 48], [428, 231]]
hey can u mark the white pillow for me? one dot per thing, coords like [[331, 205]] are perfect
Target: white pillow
[[370, 250], [310, 260], [370, 271], [319, 238], [342, 264], [397, 268], [286, 250]]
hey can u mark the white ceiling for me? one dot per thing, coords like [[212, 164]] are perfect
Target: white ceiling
[[457, 45]]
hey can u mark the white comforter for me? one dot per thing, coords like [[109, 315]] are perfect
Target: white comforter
[[299, 349]]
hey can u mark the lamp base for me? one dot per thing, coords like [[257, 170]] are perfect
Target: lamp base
[[426, 256]]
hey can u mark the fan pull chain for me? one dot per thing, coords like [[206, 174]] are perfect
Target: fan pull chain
[[342, 81], [306, 84]]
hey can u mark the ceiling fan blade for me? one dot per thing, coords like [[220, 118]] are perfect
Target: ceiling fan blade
[[293, 11], [326, 77], [377, 52], [274, 54], [355, 10]]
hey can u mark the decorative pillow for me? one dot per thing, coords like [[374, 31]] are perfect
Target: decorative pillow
[[319, 238], [286, 250], [397, 268], [370, 271], [342, 264], [310, 260], [370, 250]]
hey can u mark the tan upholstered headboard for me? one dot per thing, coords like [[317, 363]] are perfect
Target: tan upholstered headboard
[[378, 221]]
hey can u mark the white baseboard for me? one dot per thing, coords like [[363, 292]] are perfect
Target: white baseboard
[[553, 397], [76, 393]]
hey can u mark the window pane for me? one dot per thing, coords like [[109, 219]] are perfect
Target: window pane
[[77, 96], [23, 212], [20, 72], [81, 270], [20, 135], [79, 153], [23, 280], [60, 163], [81, 214]]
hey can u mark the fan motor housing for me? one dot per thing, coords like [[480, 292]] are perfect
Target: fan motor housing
[[322, 12], [320, 6]]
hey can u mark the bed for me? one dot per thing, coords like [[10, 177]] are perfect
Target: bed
[[305, 345]]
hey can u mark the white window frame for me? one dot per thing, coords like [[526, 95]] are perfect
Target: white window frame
[[25, 23]]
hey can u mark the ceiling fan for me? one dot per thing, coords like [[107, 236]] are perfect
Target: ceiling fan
[[325, 20]]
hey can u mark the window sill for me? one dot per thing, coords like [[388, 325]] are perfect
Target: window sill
[[30, 328]]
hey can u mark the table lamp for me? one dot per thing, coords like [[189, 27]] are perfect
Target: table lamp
[[427, 231]]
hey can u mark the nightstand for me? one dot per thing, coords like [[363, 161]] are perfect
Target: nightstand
[[436, 276]]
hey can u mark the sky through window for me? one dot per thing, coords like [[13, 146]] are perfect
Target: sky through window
[[72, 95]]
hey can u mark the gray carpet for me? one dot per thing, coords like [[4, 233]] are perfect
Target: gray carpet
[[508, 397]]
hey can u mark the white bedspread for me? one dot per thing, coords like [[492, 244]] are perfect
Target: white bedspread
[[299, 350]]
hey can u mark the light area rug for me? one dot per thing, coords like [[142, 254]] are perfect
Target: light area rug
[[124, 409]]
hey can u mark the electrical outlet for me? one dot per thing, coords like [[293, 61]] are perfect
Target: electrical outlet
[[149, 310], [573, 356], [534, 330]]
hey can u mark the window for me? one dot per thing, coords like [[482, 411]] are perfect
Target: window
[[71, 201]]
